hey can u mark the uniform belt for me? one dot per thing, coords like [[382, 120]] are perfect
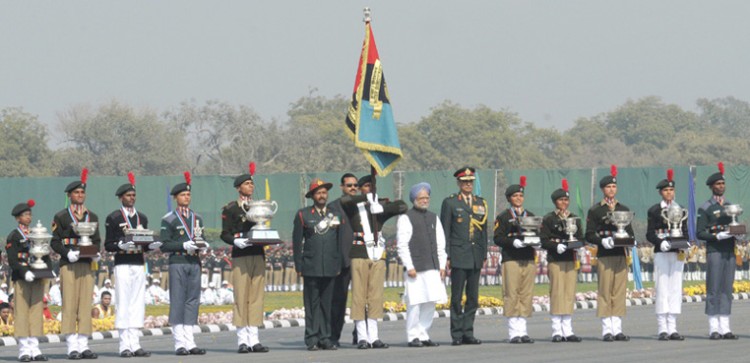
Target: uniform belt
[[606, 233], [184, 254], [70, 241], [556, 240], [515, 234], [129, 252]]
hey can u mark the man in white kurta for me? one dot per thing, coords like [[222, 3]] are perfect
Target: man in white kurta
[[421, 247]]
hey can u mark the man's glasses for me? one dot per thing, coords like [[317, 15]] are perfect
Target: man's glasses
[[350, 185]]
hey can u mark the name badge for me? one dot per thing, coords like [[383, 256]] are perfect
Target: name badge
[[479, 209]]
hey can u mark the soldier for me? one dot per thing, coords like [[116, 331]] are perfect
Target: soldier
[[343, 279], [563, 265], [29, 289], [178, 236], [317, 258], [464, 219], [519, 268], [248, 266], [720, 257], [668, 263], [612, 264], [130, 279], [77, 278]]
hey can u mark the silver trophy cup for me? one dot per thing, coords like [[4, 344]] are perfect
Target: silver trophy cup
[[39, 248], [735, 228], [571, 227], [621, 219], [261, 212], [85, 230], [530, 226], [674, 216]]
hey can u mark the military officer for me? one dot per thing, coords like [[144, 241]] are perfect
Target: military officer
[[76, 275], [29, 289], [248, 266], [612, 264], [464, 219], [720, 257], [178, 229], [317, 258], [518, 266]]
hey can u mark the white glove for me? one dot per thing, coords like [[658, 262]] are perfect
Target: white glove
[[190, 246], [154, 245], [517, 243], [723, 235], [561, 248], [125, 246], [240, 242], [97, 257], [73, 256], [29, 276], [375, 207], [608, 243], [665, 246]]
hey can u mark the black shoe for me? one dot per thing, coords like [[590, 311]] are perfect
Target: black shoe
[[259, 348], [663, 337], [715, 336], [430, 343], [181, 351], [327, 346], [363, 344], [608, 338], [620, 337], [336, 344], [416, 343], [140, 353], [515, 340], [573, 339], [557, 339], [88, 354], [527, 340], [312, 347], [242, 349], [472, 340], [197, 351], [74, 355], [730, 336], [378, 344], [24, 358], [126, 354], [457, 342], [676, 336], [40, 358]]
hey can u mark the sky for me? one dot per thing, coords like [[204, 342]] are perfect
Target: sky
[[549, 61]]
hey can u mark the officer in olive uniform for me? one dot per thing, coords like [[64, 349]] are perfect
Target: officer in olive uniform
[[464, 219], [612, 264], [317, 257], [248, 266], [720, 257], [76, 277], [178, 236]]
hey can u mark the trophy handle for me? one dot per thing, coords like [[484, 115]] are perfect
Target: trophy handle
[[684, 215], [275, 206], [664, 214]]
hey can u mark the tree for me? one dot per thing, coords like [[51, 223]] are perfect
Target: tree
[[24, 151], [729, 115]]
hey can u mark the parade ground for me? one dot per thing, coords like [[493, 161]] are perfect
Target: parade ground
[[287, 346]]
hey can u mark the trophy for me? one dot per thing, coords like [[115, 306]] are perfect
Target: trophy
[[40, 238], [735, 228], [139, 236], [571, 227], [674, 216], [198, 235], [261, 212], [86, 230], [621, 219], [530, 224]]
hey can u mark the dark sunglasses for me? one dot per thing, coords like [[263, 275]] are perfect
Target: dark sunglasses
[[350, 185]]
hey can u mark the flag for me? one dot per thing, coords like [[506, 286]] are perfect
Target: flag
[[268, 197], [369, 121], [579, 205], [692, 212], [636, 269]]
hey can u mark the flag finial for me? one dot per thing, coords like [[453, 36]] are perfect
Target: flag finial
[[367, 13]]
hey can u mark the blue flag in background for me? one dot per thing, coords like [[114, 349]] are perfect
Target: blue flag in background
[[692, 212]]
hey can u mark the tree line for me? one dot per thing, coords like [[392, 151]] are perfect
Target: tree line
[[220, 138]]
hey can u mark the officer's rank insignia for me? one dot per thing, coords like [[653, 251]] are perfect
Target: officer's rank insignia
[[459, 220], [182, 232]]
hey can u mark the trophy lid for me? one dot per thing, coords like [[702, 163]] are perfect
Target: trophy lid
[[39, 231]]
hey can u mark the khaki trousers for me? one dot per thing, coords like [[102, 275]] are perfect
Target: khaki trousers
[[248, 280], [164, 283], [563, 277], [28, 308], [518, 287], [77, 286], [613, 281], [367, 288]]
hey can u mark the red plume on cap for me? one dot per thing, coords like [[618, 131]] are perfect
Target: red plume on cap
[[565, 184], [31, 203], [721, 168], [670, 174], [613, 170], [522, 182], [252, 168], [187, 177], [84, 175], [131, 178]]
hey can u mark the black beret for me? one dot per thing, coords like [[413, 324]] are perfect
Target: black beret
[[607, 180], [664, 183], [22, 207], [714, 178], [127, 187], [364, 180], [75, 185], [466, 173], [179, 188], [513, 189], [241, 179], [559, 193]]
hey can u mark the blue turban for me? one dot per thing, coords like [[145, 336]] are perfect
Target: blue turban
[[418, 188]]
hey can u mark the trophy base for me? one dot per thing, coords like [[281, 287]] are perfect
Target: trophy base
[[201, 244], [680, 243], [573, 245], [737, 230], [532, 241], [264, 237], [88, 251], [43, 273], [624, 242], [139, 240]]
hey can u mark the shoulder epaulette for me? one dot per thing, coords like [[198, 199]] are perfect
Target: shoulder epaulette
[[169, 217], [706, 205]]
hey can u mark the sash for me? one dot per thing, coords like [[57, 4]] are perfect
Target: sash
[[374, 250]]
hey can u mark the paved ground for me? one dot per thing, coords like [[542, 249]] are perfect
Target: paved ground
[[286, 343]]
